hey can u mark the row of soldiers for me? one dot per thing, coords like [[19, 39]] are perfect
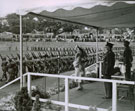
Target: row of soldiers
[[9, 68], [52, 51], [55, 51], [52, 62]]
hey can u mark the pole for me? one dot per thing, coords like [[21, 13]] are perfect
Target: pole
[[21, 53], [100, 69], [58, 78], [44, 82], [66, 94], [29, 84], [114, 97], [97, 51]]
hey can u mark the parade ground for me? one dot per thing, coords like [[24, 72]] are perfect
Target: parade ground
[[91, 95]]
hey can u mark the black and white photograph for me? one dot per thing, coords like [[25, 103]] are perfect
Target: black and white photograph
[[67, 55]]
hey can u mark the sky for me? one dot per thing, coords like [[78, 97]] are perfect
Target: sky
[[11, 6]]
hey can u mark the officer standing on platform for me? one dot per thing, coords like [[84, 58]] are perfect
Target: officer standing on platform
[[127, 58], [108, 67]]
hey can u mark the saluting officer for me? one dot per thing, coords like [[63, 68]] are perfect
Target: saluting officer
[[108, 67]]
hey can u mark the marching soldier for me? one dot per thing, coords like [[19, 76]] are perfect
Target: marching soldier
[[45, 55], [72, 52], [16, 68], [66, 51], [24, 66], [87, 48], [4, 68], [90, 50], [29, 65], [48, 52], [55, 52], [10, 70]]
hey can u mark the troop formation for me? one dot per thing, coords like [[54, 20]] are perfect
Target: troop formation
[[51, 61]]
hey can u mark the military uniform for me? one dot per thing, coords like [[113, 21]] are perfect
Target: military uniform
[[24, 66], [108, 68], [29, 65], [127, 60], [4, 68], [10, 69], [16, 68]]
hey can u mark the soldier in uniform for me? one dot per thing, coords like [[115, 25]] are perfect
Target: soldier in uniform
[[24, 66], [108, 67], [48, 52], [66, 52], [127, 57], [4, 68], [72, 51], [16, 68], [29, 65], [10, 69]]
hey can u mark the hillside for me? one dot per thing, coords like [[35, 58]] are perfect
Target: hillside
[[118, 15]]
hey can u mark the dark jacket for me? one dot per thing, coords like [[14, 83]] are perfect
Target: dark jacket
[[128, 56], [108, 63], [4, 65]]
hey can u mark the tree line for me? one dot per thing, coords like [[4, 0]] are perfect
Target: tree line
[[33, 23]]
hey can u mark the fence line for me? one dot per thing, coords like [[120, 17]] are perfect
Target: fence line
[[9, 83], [67, 104], [82, 78]]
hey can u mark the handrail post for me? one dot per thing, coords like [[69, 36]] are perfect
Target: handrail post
[[114, 97], [29, 84], [100, 69], [24, 81], [66, 94]]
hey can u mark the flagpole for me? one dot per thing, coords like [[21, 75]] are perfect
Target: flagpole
[[21, 53]]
